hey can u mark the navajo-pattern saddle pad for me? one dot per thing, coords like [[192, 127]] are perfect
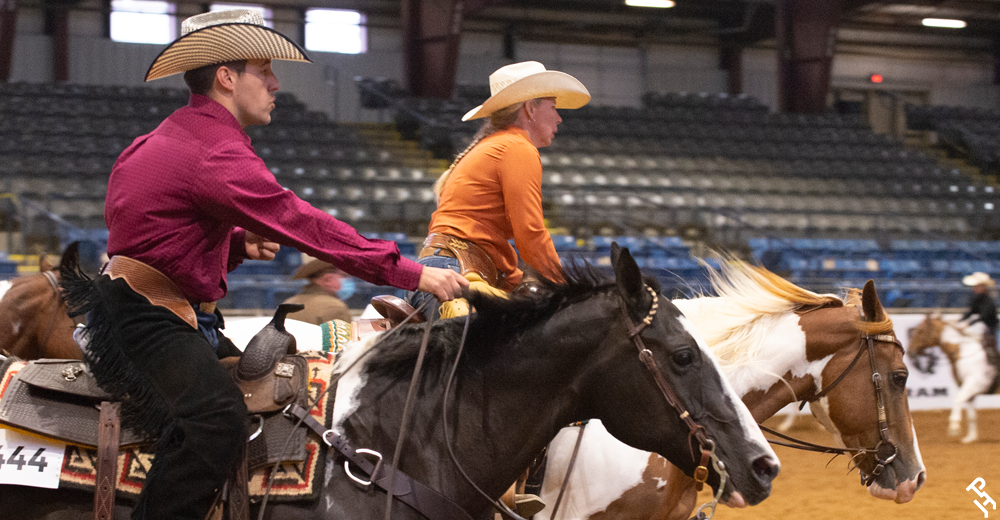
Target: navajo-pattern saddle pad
[[293, 480]]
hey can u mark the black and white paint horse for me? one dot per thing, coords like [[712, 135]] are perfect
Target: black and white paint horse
[[530, 366]]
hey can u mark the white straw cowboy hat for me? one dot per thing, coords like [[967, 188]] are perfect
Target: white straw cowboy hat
[[978, 278], [220, 37], [529, 80]]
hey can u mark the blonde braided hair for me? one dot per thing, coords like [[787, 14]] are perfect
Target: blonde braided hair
[[498, 121]]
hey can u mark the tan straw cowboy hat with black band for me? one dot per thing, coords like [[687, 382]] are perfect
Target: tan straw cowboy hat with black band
[[220, 37], [314, 267], [530, 80]]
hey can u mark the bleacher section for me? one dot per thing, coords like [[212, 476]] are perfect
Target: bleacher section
[[727, 165], [971, 133], [59, 142], [821, 199]]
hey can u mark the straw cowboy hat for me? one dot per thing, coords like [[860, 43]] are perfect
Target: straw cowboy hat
[[529, 80], [220, 37], [978, 278], [314, 268]]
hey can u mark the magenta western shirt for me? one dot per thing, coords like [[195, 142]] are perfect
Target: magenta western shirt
[[181, 197]]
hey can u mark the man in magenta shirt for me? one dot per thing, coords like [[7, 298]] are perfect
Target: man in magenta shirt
[[191, 200]]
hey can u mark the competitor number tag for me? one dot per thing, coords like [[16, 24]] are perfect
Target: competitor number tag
[[29, 460]]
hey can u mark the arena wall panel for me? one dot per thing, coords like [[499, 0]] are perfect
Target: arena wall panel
[[615, 75]]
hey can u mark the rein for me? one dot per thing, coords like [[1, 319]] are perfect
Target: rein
[[569, 469], [885, 451]]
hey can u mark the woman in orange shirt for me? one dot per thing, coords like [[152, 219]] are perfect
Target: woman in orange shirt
[[493, 190]]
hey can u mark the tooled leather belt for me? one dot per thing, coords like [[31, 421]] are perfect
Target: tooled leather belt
[[154, 285], [471, 257]]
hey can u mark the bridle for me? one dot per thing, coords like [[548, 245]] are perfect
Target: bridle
[[695, 430], [885, 451]]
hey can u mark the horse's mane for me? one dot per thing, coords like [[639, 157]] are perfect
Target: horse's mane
[[749, 301], [496, 324]]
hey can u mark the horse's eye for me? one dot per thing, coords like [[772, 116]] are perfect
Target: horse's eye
[[899, 378], [683, 358]]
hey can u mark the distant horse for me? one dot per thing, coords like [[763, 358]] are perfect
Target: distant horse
[[33, 320], [530, 365], [777, 344], [969, 365]]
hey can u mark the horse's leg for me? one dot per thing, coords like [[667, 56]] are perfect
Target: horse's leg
[[955, 419], [970, 415], [787, 423]]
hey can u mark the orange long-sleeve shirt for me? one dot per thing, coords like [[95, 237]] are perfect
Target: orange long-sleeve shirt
[[495, 194]]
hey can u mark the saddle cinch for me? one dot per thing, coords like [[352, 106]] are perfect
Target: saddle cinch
[[60, 399]]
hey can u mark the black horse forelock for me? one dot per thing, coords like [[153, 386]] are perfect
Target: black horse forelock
[[495, 324]]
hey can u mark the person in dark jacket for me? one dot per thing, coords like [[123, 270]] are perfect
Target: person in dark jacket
[[982, 307]]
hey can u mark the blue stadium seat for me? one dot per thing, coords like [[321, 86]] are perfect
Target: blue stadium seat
[[564, 243], [635, 245]]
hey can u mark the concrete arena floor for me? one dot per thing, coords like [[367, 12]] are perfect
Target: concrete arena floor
[[807, 488]]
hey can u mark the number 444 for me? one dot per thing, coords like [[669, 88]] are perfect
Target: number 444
[[16, 458]]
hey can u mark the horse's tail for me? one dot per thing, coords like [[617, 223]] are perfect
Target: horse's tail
[[77, 288]]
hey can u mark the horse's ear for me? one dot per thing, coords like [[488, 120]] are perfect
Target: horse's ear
[[44, 264], [627, 276], [870, 304], [616, 252], [70, 261]]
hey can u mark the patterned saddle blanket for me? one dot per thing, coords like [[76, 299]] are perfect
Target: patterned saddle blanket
[[300, 471]]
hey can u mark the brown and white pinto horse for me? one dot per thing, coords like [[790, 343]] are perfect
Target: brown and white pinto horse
[[778, 344], [33, 319], [970, 366]]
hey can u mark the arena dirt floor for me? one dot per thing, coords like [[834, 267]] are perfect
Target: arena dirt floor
[[809, 489]]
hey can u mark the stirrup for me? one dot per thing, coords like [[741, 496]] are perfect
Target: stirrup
[[395, 309], [527, 505]]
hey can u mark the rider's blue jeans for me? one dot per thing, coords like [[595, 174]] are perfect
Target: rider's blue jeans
[[416, 298]]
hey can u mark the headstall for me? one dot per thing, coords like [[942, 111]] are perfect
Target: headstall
[[885, 451], [695, 430]]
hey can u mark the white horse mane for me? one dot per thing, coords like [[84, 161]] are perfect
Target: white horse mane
[[749, 302]]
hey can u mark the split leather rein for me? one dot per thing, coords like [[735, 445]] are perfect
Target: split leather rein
[[885, 451]]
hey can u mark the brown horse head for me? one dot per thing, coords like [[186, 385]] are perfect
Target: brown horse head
[[925, 335], [782, 344], [33, 319], [850, 410]]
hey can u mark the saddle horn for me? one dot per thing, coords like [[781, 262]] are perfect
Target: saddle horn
[[268, 345]]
